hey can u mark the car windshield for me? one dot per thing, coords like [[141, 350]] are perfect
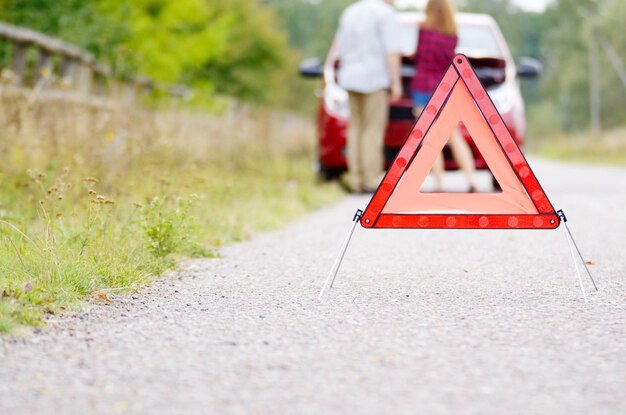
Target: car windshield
[[474, 40]]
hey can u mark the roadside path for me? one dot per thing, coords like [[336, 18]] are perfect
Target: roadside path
[[419, 321]]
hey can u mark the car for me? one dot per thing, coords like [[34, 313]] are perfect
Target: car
[[480, 39]]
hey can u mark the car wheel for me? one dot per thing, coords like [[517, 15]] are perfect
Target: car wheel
[[325, 174]]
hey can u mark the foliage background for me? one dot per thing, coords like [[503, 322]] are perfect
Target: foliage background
[[250, 49], [232, 48], [559, 101], [556, 103]]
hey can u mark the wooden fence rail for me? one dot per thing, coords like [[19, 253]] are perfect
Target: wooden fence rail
[[61, 65]]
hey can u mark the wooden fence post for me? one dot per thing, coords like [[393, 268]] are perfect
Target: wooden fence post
[[19, 61], [44, 66], [84, 78], [68, 72], [78, 68]]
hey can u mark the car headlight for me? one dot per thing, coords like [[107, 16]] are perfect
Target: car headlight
[[336, 101], [503, 97]]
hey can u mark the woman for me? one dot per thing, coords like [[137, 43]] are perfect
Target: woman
[[435, 50]]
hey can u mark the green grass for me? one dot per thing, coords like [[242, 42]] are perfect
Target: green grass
[[98, 201], [69, 233], [607, 148]]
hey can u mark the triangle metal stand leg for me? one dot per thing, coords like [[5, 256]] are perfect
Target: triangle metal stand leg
[[572, 245], [335, 268]]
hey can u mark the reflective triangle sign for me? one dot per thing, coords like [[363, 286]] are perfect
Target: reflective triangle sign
[[460, 97]]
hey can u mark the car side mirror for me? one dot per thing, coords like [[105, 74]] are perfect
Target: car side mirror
[[311, 68], [529, 68]]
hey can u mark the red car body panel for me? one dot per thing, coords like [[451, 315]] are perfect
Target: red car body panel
[[332, 133]]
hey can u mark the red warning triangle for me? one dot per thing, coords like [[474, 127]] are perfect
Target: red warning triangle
[[460, 97]]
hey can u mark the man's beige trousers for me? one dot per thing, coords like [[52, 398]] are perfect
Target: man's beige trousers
[[369, 114]]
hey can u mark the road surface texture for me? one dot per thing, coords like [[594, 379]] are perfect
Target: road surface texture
[[419, 322]]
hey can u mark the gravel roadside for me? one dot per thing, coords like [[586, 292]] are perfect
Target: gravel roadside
[[427, 321]]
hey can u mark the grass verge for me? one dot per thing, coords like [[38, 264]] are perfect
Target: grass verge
[[90, 213], [607, 148], [63, 240]]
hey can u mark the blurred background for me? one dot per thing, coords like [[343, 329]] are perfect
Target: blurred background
[[249, 49]]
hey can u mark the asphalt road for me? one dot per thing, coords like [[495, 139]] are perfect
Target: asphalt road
[[419, 321]]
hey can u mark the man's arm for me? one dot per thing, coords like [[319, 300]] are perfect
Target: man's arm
[[394, 62], [391, 41], [331, 60]]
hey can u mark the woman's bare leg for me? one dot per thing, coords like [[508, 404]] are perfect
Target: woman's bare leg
[[438, 167], [463, 156], [437, 170]]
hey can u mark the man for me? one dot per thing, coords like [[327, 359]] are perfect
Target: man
[[370, 57]]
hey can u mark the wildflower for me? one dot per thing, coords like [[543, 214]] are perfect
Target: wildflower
[[109, 202], [89, 180], [36, 175], [92, 192]]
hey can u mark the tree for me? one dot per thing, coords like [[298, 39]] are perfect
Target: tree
[[310, 24], [229, 47], [566, 51]]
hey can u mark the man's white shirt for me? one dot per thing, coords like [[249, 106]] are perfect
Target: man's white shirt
[[367, 34]]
